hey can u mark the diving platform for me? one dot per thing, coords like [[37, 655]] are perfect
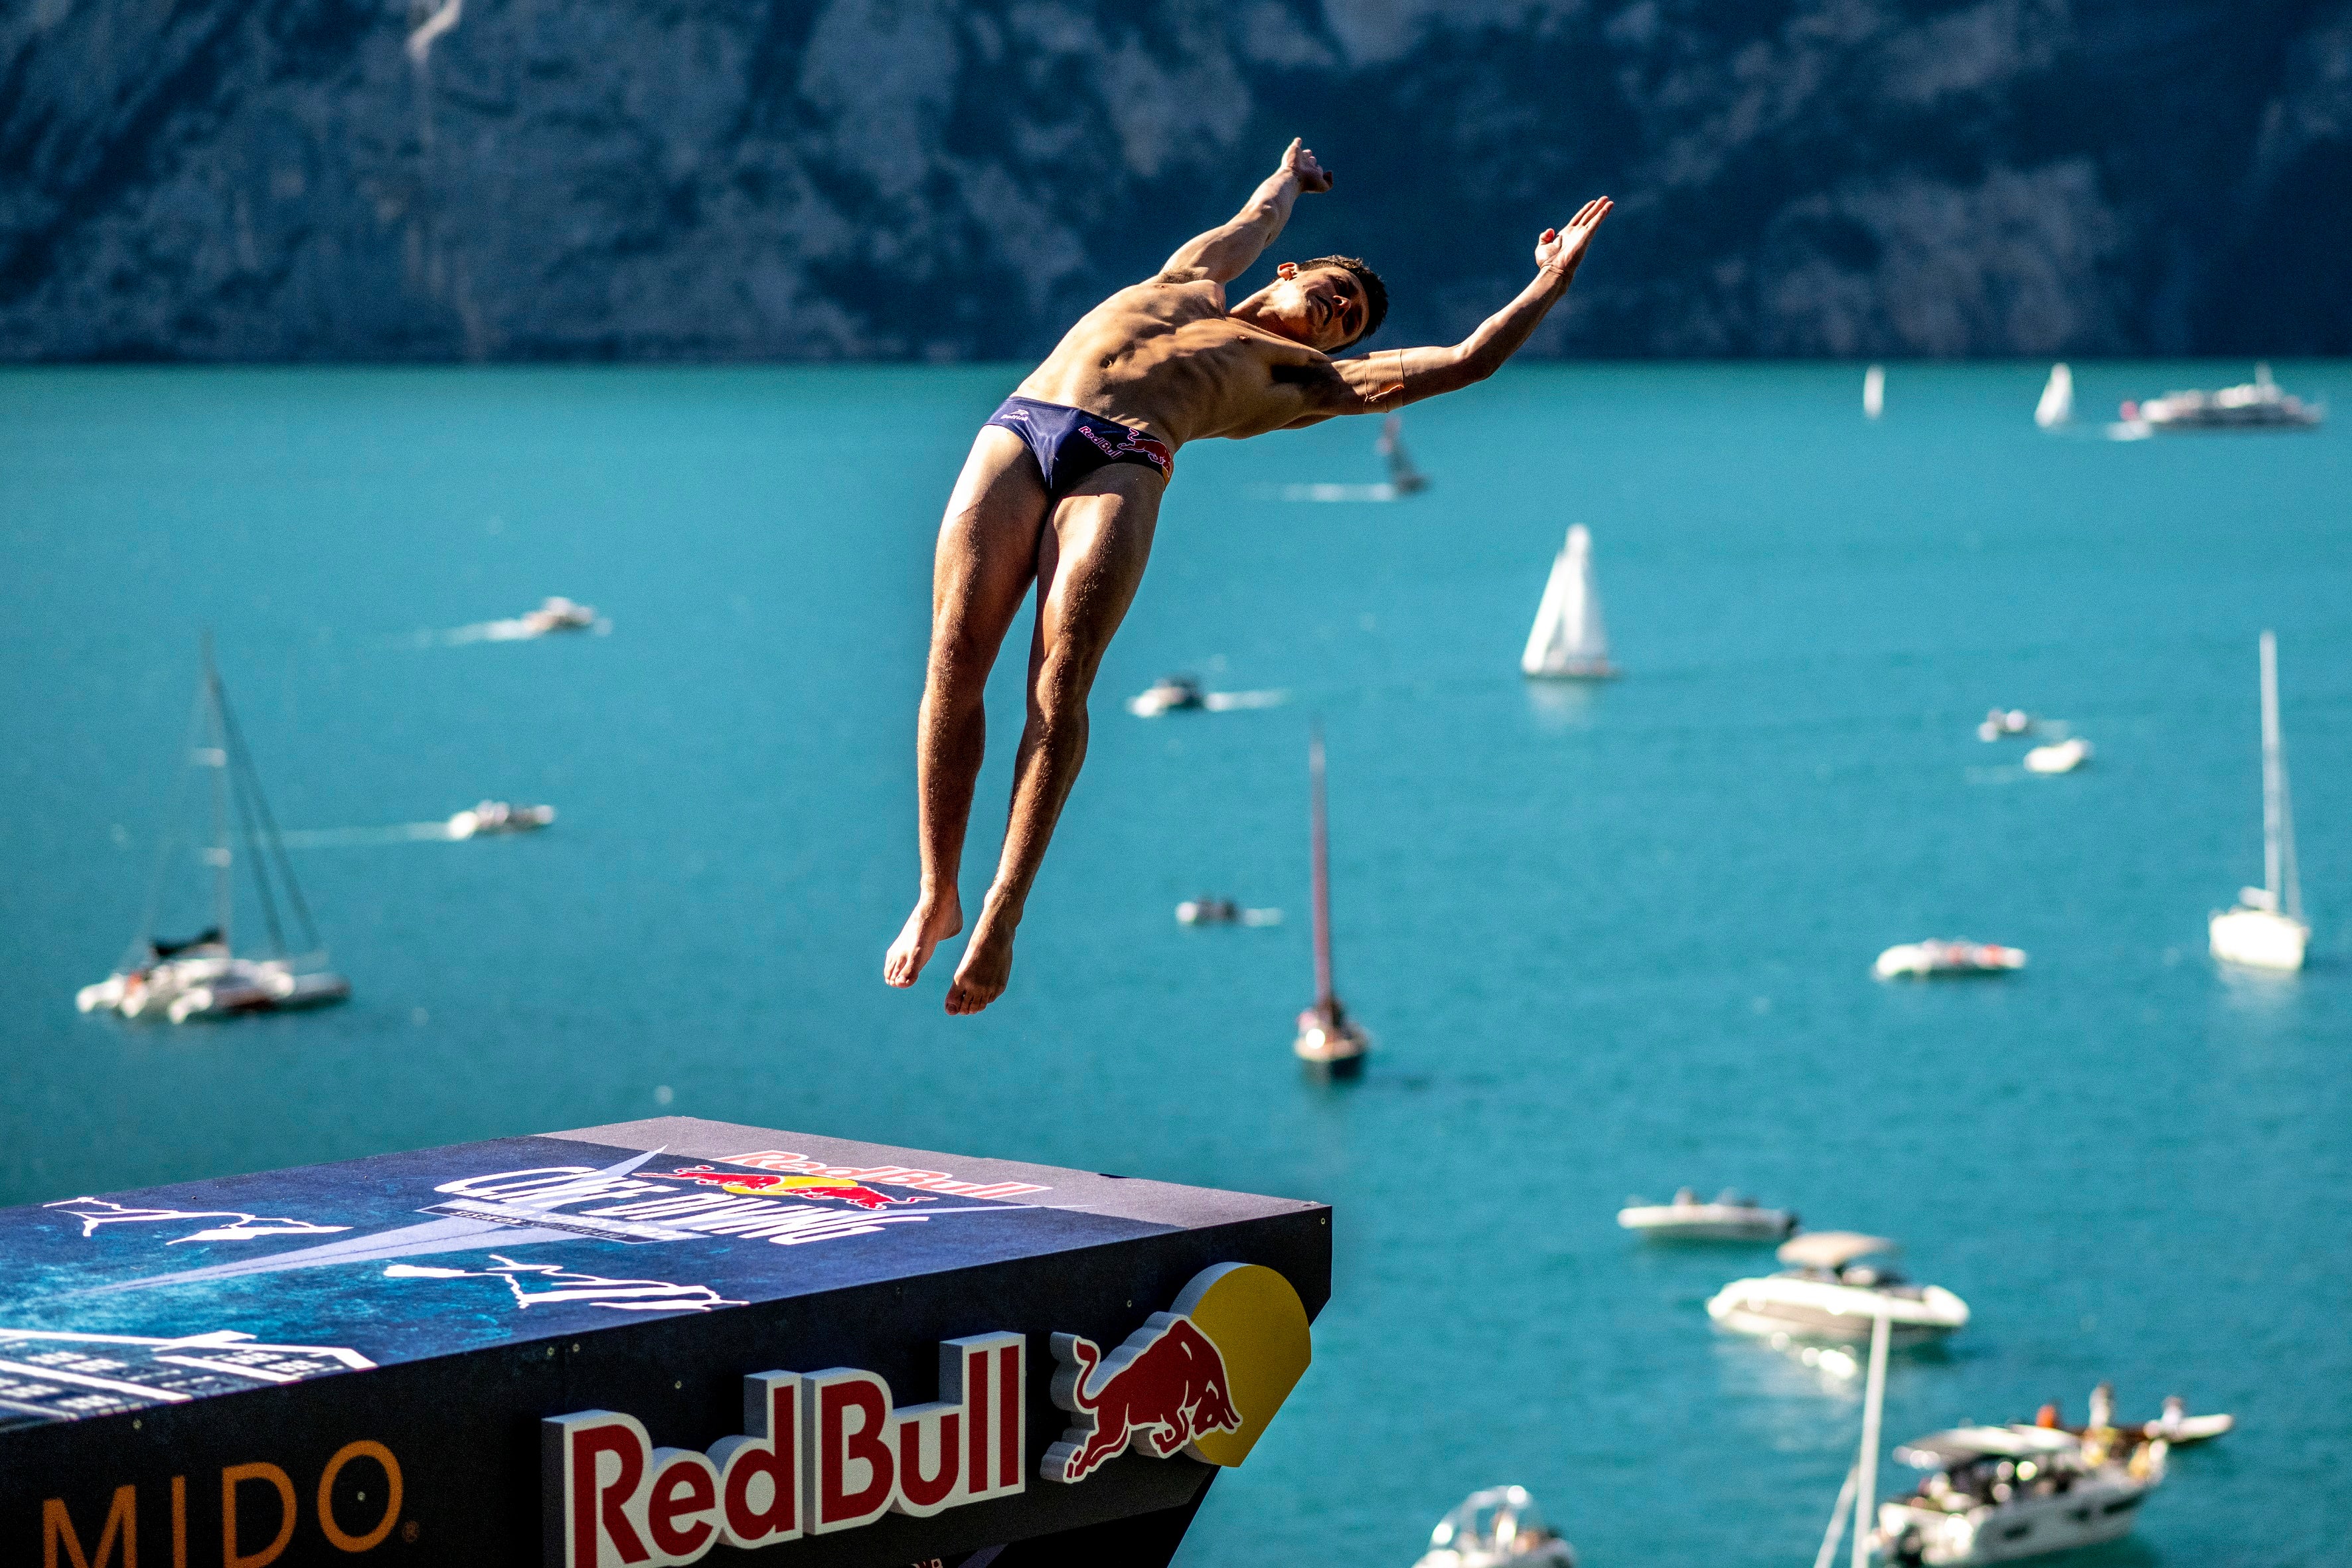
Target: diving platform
[[647, 1343]]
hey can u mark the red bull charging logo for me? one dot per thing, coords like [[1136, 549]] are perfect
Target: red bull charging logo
[[857, 1194]]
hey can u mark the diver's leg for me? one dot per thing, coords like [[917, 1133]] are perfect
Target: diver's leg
[[987, 555], [1089, 565]]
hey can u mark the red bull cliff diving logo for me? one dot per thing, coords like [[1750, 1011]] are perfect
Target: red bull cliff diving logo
[[831, 1450], [1202, 1379]]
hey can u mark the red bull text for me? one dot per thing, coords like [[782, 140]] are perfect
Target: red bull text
[[820, 1452], [1165, 1387]]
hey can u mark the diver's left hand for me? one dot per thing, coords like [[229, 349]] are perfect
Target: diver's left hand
[[1562, 250], [1300, 165]]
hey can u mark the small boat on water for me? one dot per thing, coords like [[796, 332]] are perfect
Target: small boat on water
[[1169, 694], [1828, 1292], [1332, 1044], [2057, 405], [1404, 480], [1568, 641], [495, 817], [2257, 405], [204, 977], [2176, 1426], [557, 614], [1934, 960], [1732, 1216], [2058, 756], [2000, 722], [1874, 392], [2267, 930], [1997, 1494], [1496, 1528]]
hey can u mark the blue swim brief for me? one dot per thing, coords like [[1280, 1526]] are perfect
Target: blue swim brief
[[1069, 443]]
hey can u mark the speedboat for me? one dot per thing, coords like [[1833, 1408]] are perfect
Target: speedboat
[[1209, 912], [1496, 1528], [2256, 404], [493, 817], [1169, 694], [2000, 722], [1828, 1293], [1933, 959], [1996, 1494], [2058, 756], [2267, 930], [557, 614], [1732, 1216]]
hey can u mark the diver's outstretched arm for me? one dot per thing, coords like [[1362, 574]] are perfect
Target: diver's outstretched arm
[[1225, 252], [1388, 379]]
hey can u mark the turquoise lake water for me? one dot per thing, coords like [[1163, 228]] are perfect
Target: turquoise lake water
[[1611, 940]]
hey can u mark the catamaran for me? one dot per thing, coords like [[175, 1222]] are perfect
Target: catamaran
[[2267, 929], [2057, 405], [1329, 1042], [203, 977], [1568, 640]]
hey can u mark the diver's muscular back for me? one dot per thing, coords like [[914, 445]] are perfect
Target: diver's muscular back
[[1165, 355]]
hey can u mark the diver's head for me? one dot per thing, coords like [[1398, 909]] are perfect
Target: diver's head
[[1331, 304]]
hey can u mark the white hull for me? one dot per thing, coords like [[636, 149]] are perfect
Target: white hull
[[183, 989], [2058, 757], [2258, 939], [1945, 961], [1818, 1310], [2101, 1509], [1338, 1051], [1706, 1222]]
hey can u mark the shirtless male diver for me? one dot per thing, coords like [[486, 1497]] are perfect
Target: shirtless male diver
[[1063, 488]]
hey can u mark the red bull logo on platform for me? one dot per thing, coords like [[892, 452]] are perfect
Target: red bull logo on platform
[[856, 1194]]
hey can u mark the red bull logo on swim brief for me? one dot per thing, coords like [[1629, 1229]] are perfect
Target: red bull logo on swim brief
[[1202, 1380]]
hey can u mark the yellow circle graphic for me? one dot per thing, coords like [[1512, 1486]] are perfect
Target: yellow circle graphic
[[1259, 1326]]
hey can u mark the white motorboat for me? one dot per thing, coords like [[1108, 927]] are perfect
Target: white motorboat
[[1732, 1216], [2057, 405], [1568, 641], [2267, 929], [557, 614], [495, 817], [1169, 694], [2058, 756], [1496, 1528], [2000, 722], [1934, 960], [2256, 404], [204, 977], [1828, 1292], [1404, 480], [1332, 1044], [1996, 1494], [1209, 912], [1874, 392]]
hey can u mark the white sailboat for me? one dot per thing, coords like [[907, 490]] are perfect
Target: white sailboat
[[2057, 405], [1329, 1042], [2267, 929], [1874, 392], [203, 977], [1568, 640]]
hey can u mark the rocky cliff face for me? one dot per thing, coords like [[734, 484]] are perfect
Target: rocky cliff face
[[681, 179]]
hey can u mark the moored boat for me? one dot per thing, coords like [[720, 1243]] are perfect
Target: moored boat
[[1828, 1292], [1945, 960], [1498, 1527], [1568, 641], [1732, 1216], [1997, 1494], [2267, 930], [2256, 404], [1329, 1043]]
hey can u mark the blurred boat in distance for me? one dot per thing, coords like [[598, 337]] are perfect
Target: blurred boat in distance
[[1496, 1528], [1874, 392], [1732, 1216], [557, 614], [1169, 694], [2000, 723], [2256, 404], [2058, 756], [1404, 480], [203, 977], [1213, 912], [1827, 1292], [2267, 930], [1332, 1044], [1997, 1494], [1938, 959], [1568, 641], [2175, 1426], [495, 817], [2057, 405]]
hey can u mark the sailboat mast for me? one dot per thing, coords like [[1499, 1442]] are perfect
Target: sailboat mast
[[1323, 994], [214, 755], [2272, 806]]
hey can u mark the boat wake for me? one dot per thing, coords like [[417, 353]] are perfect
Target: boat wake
[[515, 628], [1339, 492], [1228, 701], [369, 838]]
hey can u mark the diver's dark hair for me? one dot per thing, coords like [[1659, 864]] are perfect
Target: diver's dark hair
[[1376, 293]]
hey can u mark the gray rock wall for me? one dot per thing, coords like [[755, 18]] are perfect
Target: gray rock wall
[[729, 179]]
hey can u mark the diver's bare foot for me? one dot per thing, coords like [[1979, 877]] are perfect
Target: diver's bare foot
[[933, 921], [987, 964]]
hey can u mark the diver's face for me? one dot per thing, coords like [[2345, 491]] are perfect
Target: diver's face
[[1323, 309]]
